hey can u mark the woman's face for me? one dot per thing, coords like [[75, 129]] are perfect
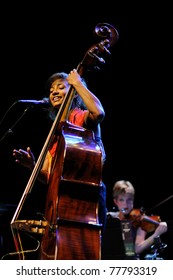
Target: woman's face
[[124, 202], [58, 90]]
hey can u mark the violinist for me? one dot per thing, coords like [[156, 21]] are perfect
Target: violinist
[[123, 198], [86, 111]]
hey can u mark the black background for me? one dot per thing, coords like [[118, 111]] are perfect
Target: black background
[[134, 86]]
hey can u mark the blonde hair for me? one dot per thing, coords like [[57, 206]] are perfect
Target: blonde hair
[[122, 187]]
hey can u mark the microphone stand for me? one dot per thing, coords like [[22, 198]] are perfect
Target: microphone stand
[[10, 130]]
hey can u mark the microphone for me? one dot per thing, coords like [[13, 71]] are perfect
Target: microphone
[[44, 101]]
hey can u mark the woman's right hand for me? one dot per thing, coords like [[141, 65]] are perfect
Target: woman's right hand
[[25, 158]]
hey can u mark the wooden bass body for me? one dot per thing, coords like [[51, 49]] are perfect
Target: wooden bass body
[[73, 230]]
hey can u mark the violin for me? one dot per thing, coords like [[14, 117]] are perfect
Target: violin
[[147, 223]]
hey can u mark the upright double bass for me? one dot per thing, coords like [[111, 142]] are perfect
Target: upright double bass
[[70, 229]]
